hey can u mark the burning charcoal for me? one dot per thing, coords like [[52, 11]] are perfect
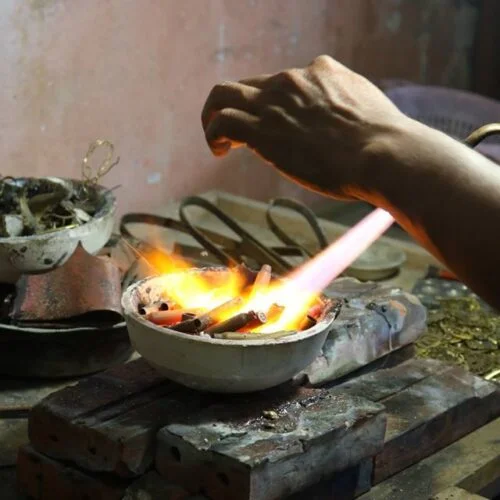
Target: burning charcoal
[[274, 312], [245, 272], [312, 317], [157, 306], [246, 320], [262, 279], [172, 317], [307, 322], [201, 323]]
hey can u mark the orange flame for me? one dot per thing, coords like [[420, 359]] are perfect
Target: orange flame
[[296, 294], [197, 291]]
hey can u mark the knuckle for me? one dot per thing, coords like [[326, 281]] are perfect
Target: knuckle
[[290, 78], [322, 60], [219, 89]]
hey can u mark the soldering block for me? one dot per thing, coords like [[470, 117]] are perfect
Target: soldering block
[[226, 452]]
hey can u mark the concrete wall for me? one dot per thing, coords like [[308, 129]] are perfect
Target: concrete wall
[[137, 72]]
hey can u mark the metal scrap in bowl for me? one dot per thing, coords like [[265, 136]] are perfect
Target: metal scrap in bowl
[[225, 365], [31, 251], [42, 220]]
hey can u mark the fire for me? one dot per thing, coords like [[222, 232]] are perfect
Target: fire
[[295, 294], [192, 291], [197, 292]]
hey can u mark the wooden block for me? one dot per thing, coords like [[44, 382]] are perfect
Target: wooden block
[[108, 422], [344, 485], [237, 452], [153, 486], [471, 463], [455, 493], [8, 483], [429, 405], [40, 478], [383, 383], [13, 433], [431, 414]]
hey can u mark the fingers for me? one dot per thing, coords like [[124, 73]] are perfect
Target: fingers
[[259, 82], [230, 95], [231, 128]]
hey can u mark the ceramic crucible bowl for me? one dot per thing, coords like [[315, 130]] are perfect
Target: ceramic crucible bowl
[[218, 365], [44, 252]]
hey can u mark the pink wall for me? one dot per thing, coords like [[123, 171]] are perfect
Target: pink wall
[[137, 72]]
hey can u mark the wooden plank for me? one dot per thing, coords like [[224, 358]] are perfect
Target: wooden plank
[[8, 485], [455, 493], [343, 485], [429, 405], [430, 415], [17, 396], [108, 422], [13, 433], [471, 463], [385, 382], [269, 449], [153, 486], [40, 478]]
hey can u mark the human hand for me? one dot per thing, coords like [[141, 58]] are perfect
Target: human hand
[[318, 125]]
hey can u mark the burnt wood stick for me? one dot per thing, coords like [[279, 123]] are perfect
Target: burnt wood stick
[[166, 318], [243, 320], [204, 321], [158, 306], [262, 280]]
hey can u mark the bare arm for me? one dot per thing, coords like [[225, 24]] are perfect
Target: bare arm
[[332, 131], [447, 196]]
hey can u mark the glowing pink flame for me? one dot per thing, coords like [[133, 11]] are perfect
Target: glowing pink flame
[[317, 274]]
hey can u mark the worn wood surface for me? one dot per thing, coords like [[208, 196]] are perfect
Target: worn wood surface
[[455, 493], [152, 486], [108, 422], [428, 404], [17, 397], [471, 463], [270, 449], [41, 478], [431, 414]]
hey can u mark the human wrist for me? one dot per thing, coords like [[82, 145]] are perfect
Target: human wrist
[[393, 160]]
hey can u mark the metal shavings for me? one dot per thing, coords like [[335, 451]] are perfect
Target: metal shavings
[[463, 333]]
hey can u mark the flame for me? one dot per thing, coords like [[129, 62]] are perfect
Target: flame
[[296, 293], [192, 290]]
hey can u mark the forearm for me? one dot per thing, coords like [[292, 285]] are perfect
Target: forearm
[[447, 196]]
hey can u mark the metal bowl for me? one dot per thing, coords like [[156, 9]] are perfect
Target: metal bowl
[[41, 253], [379, 262], [219, 365], [28, 352]]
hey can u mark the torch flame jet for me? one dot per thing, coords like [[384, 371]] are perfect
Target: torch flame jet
[[296, 294]]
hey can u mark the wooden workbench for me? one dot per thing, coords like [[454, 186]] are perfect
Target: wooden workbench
[[470, 464]]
